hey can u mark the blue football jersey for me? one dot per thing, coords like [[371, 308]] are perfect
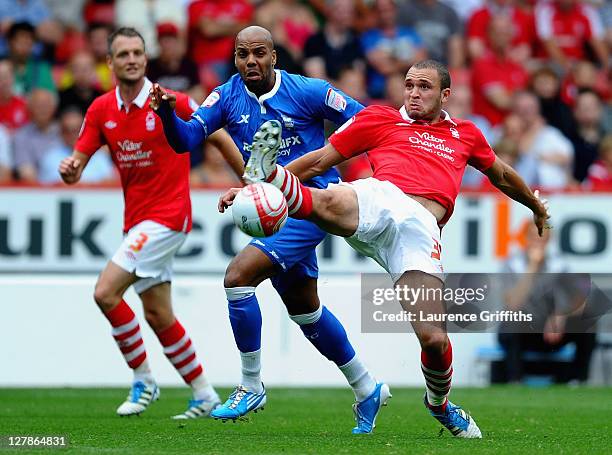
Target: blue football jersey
[[299, 103]]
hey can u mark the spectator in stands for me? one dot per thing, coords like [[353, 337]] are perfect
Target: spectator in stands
[[520, 22], [389, 48], [213, 170], [85, 85], [553, 151], [290, 21], [600, 172], [565, 27], [439, 27], [395, 86], [585, 76], [589, 132], [352, 81], [99, 12], [336, 46], [546, 85], [13, 109], [146, 15], [30, 73], [99, 168], [97, 39], [460, 106], [495, 76], [172, 69], [465, 8], [34, 12], [212, 28], [536, 283], [6, 162], [68, 12], [33, 140]]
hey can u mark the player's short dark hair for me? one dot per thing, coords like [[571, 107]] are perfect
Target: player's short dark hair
[[443, 74], [18, 27], [130, 32]]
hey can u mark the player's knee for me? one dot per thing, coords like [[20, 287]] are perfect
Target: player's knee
[[157, 319], [434, 343], [105, 298], [236, 276]]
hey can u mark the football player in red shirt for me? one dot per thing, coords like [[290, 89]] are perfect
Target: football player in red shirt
[[418, 156], [155, 183]]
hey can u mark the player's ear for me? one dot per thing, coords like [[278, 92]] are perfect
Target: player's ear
[[273, 57], [445, 94]]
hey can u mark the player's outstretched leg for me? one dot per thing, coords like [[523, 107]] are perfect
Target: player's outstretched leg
[[126, 332], [264, 151]]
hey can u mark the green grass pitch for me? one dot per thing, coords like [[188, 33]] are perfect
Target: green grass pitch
[[513, 420]]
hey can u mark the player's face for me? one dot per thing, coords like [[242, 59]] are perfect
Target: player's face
[[423, 97], [128, 59], [255, 61]]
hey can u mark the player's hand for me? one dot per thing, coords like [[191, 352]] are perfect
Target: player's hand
[[554, 329], [227, 199], [159, 96], [69, 169], [541, 215]]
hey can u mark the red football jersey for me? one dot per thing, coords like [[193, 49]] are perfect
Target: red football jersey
[[422, 159], [154, 178], [570, 29]]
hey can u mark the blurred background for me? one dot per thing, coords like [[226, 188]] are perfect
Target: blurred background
[[533, 75]]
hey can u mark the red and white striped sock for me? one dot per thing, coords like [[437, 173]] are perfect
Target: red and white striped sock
[[181, 353], [438, 372], [298, 196], [126, 332]]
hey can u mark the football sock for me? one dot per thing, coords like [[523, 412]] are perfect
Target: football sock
[[181, 353], [438, 372], [298, 196], [327, 334], [245, 318], [126, 332], [360, 379]]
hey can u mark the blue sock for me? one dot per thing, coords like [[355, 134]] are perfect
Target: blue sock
[[245, 317], [327, 334]]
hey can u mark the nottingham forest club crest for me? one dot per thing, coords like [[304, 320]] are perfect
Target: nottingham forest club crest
[[150, 121]]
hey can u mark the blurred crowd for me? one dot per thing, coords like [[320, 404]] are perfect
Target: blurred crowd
[[534, 75]]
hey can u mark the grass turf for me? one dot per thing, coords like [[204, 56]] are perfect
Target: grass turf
[[513, 420]]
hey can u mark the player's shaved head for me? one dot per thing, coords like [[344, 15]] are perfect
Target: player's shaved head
[[255, 58], [255, 33]]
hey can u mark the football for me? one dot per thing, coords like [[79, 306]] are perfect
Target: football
[[259, 210]]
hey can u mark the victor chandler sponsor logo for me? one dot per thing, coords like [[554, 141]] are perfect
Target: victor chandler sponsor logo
[[431, 143], [131, 151]]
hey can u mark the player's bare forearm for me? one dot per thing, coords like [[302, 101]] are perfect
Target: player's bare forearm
[[315, 163], [223, 141], [507, 180]]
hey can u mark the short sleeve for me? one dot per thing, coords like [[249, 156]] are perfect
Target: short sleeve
[[90, 137], [329, 102], [356, 135], [482, 155], [211, 114]]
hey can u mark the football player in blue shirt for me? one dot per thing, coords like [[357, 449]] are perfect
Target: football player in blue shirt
[[256, 94]]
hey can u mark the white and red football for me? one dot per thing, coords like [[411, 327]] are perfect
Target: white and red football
[[259, 210]]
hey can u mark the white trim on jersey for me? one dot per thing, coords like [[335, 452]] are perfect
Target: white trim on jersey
[[266, 96]]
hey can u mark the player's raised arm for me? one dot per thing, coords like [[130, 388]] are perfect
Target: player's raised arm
[[181, 135], [71, 168], [507, 180]]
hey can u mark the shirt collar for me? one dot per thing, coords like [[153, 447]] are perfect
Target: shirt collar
[[142, 97], [446, 117], [271, 93]]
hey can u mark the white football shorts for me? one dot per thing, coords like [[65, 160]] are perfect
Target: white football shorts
[[148, 250], [395, 230]]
